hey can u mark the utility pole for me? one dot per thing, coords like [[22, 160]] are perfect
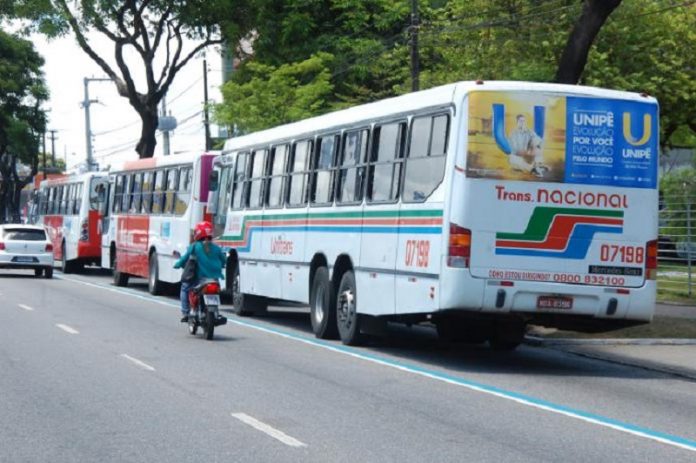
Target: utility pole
[[165, 133], [88, 128], [44, 154], [53, 146], [415, 61], [206, 120]]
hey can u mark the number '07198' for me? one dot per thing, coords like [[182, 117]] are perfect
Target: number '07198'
[[417, 253], [624, 254]]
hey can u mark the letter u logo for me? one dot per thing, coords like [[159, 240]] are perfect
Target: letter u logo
[[629, 129], [499, 125]]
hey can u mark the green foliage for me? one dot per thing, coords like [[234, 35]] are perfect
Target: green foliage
[[277, 95], [22, 91]]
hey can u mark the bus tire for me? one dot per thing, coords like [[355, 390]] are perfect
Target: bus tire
[[120, 279], [244, 304], [65, 265], [347, 317], [154, 285], [506, 336], [323, 306]]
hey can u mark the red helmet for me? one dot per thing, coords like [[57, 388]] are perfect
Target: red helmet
[[202, 231]]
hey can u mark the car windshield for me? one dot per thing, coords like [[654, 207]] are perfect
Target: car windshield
[[23, 234]]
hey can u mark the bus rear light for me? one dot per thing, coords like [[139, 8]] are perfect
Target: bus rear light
[[49, 248], [84, 231], [459, 249], [651, 261]]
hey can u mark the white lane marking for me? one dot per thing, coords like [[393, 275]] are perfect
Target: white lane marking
[[22, 306], [269, 430], [654, 435], [140, 363], [67, 328]]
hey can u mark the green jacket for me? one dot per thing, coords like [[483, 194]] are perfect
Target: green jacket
[[210, 264]]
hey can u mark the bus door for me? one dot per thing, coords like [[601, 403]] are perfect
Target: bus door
[[108, 230]]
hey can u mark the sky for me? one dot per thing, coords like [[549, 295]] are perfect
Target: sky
[[115, 124]]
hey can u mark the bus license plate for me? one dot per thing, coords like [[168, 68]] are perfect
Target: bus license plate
[[211, 299], [554, 302]]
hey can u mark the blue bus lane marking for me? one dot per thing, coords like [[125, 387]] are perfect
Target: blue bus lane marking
[[639, 431]]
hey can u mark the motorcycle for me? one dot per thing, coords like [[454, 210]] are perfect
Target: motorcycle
[[204, 300]]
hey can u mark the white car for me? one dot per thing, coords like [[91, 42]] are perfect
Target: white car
[[26, 247]]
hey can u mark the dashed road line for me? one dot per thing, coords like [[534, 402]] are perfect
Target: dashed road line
[[540, 404], [25, 307], [67, 328], [268, 430], [140, 363]]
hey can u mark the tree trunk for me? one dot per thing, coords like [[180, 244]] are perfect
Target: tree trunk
[[146, 146], [572, 63]]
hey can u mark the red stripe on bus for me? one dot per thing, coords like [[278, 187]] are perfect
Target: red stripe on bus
[[559, 234]]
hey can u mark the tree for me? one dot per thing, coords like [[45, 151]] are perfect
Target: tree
[[277, 95], [157, 32], [22, 91], [574, 57]]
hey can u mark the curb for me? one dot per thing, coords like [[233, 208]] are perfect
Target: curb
[[539, 341]]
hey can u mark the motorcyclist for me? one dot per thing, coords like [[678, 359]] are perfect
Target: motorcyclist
[[210, 260]]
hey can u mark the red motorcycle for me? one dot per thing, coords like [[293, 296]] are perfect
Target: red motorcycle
[[204, 300]]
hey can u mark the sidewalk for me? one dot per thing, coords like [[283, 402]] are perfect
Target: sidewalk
[[671, 356]]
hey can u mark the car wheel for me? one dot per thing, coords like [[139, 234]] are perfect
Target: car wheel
[[38, 272], [48, 273]]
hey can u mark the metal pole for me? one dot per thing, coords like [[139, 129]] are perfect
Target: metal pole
[[165, 133], [206, 121], [415, 61], [689, 253], [53, 146], [88, 125], [44, 155]]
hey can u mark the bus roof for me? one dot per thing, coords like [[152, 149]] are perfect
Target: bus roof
[[431, 98], [162, 161], [60, 179]]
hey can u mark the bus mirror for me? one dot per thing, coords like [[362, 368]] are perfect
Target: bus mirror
[[214, 180], [212, 203]]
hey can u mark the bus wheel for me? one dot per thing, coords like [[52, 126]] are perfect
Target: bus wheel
[[323, 306], [154, 285], [65, 265], [244, 304], [120, 279], [347, 317], [507, 336]]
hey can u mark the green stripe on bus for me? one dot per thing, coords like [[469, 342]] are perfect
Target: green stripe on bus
[[542, 217]]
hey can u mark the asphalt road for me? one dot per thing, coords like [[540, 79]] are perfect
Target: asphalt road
[[90, 372]]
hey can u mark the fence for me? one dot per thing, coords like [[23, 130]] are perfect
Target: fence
[[676, 277]]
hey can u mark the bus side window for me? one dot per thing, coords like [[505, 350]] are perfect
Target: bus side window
[[183, 194], [62, 200], [158, 195], [425, 165], [274, 188], [70, 199], [126, 198], [323, 166], [258, 164], [239, 181], [386, 158], [170, 195], [297, 173], [146, 192], [78, 198], [137, 193], [350, 179]]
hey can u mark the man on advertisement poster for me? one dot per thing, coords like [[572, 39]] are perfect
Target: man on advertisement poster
[[526, 149]]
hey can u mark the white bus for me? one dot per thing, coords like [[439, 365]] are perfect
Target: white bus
[[153, 206], [481, 207], [69, 207]]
